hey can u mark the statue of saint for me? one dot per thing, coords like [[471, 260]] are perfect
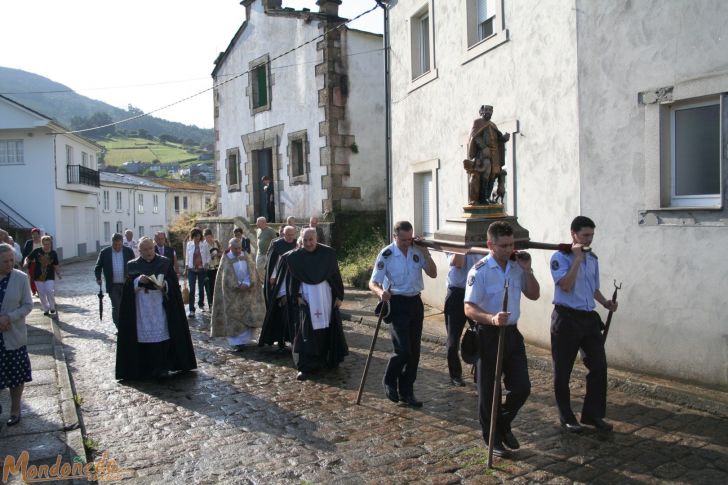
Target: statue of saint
[[486, 157]]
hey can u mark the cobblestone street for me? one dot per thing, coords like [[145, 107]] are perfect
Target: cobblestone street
[[243, 418]]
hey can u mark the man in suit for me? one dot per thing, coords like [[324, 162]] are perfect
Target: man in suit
[[112, 260]]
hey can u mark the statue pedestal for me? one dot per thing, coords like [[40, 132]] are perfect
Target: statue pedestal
[[471, 229]]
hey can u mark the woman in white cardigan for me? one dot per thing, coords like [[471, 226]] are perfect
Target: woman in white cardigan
[[15, 303], [197, 261]]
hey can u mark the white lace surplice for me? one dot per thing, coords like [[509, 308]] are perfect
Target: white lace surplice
[[150, 317], [318, 298], [241, 272]]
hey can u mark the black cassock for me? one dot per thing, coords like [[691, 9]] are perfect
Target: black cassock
[[136, 360], [276, 324], [322, 348], [277, 248]]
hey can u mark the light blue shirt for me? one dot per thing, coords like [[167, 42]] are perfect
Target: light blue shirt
[[485, 287], [581, 296], [457, 277], [400, 274], [117, 263]]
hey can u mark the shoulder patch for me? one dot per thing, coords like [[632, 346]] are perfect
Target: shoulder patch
[[387, 253], [380, 265], [479, 264], [471, 280], [416, 258], [595, 256], [554, 264]]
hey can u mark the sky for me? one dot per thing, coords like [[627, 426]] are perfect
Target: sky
[[149, 53]]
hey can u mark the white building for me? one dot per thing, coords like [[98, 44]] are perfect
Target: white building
[[186, 197], [616, 110], [313, 120], [131, 202], [50, 178]]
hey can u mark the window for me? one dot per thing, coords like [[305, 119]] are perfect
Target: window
[[207, 202], [176, 204], [91, 162], [141, 231], [298, 168], [485, 27], [233, 170], [155, 202], [106, 202], [107, 231], [184, 203], [11, 152], [421, 44], [118, 201], [140, 198], [84, 159], [69, 155], [119, 227], [259, 84], [424, 179], [695, 154]]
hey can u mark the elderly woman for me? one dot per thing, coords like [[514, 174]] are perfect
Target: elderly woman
[[197, 261], [15, 303], [45, 270]]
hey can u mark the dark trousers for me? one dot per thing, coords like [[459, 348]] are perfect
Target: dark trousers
[[193, 278], [115, 296], [210, 285], [572, 330], [407, 313], [454, 323], [515, 376]]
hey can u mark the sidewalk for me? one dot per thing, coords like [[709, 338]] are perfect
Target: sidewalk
[[359, 307], [49, 427]]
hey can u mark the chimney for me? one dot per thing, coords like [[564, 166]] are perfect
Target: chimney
[[329, 7], [273, 4]]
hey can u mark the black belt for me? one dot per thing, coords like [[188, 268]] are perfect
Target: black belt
[[406, 296], [567, 310]]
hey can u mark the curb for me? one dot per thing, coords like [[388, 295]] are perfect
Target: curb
[[69, 412], [689, 396]]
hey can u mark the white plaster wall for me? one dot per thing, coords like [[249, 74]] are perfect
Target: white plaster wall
[[35, 173], [294, 103], [195, 202], [82, 228], [365, 118], [530, 79], [129, 214], [672, 316]]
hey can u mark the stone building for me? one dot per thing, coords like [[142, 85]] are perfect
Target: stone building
[[617, 110], [312, 120]]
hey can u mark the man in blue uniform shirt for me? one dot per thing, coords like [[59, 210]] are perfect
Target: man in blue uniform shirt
[[484, 304], [575, 325], [397, 278], [457, 275]]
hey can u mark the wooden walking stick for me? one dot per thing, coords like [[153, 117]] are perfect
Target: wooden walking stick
[[495, 405], [609, 315], [382, 315]]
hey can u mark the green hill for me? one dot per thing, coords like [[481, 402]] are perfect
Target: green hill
[[121, 149], [63, 104]]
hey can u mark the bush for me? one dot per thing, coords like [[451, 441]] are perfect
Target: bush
[[358, 240]]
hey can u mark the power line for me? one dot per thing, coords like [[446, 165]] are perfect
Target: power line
[[227, 80]]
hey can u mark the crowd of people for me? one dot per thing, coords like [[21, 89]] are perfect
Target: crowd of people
[[286, 290]]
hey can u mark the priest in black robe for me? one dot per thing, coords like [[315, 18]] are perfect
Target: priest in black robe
[[154, 336], [276, 324], [315, 292]]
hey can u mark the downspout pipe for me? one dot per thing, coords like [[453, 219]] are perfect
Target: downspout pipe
[[388, 119]]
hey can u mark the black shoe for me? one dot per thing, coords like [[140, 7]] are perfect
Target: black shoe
[[510, 441], [391, 393], [13, 420], [457, 381], [301, 376], [47, 314], [571, 426], [498, 449], [410, 400], [238, 348], [598, 423]]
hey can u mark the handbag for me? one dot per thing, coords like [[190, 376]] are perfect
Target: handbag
[[469, 345], [185, 294]]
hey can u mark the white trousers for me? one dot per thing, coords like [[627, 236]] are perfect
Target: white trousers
[[47, 294]]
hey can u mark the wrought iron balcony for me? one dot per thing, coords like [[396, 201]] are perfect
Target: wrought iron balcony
[[78, 174]]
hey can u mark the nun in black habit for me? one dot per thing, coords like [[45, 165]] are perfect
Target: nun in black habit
[[154, 336]]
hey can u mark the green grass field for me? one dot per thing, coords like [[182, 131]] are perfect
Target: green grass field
[[120, 150]]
